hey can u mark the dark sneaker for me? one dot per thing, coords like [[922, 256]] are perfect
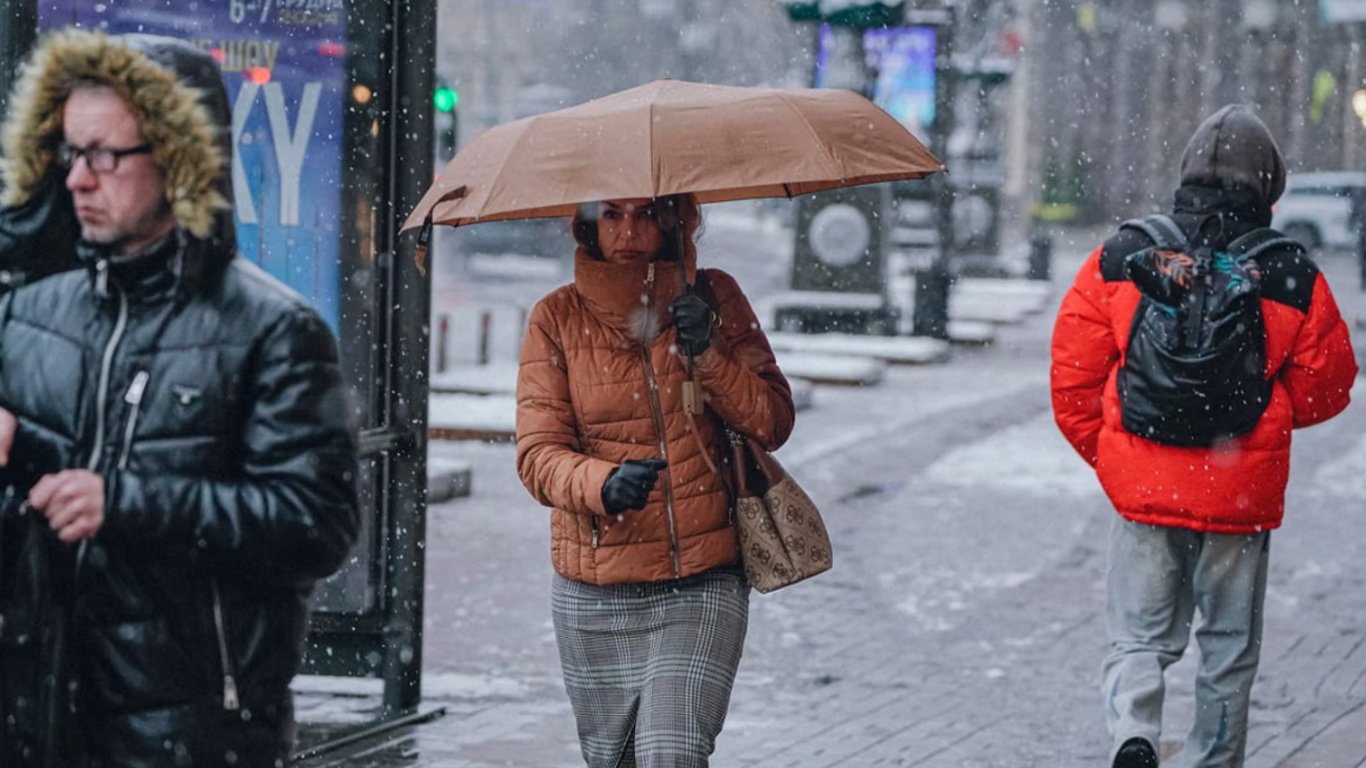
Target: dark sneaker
[[1136, 753]]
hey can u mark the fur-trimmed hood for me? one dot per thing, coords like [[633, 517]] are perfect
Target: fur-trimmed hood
[[175, 91]]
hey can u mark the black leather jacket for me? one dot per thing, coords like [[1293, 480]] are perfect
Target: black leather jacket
[[215, 411]]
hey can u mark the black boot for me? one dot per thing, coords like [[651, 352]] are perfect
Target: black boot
[[1136, 753]]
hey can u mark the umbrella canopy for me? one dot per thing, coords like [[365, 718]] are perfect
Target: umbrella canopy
[[669, 137]]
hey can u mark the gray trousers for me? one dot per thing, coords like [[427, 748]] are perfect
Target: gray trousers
[[1158, 578], [649, 667]]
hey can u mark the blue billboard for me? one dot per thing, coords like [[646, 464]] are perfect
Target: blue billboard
[[903, 60], [283, 64]]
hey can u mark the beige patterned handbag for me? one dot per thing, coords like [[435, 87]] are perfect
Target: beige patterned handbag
[[782, 537]]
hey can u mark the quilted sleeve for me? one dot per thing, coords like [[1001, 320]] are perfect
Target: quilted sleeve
[[1322, 366], [740, 375], [549, 458]]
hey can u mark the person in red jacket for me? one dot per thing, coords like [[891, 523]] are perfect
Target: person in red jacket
[[1194, 523]]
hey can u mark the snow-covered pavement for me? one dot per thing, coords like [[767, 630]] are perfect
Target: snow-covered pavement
[[962, 623]]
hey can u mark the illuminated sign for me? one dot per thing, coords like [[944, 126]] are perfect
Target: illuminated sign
[[283, 64]]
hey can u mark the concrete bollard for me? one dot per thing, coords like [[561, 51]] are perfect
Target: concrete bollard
[[1040, 255]]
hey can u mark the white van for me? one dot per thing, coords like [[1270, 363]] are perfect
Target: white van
[[1316, 208]]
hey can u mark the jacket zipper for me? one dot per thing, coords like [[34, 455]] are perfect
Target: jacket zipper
[[106, 363], [657, 411], [734, 439], [230, 700], [133, 398], [101, 394]]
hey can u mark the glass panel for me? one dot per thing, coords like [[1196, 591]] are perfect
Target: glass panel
[[303, 81], [354, 589]]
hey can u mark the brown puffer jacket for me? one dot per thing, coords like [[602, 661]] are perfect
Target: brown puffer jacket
[[601, 382]]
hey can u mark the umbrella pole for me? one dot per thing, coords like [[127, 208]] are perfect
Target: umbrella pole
[[682, 262], [692, 396]]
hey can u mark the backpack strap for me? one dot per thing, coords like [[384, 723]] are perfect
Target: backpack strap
[[1253, 244], [1161, 229]]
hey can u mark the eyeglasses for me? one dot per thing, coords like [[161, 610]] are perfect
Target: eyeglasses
[[97, 159]]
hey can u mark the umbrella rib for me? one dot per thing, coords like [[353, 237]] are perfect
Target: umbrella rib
[[654, 174], [513, 147], [814, 135]]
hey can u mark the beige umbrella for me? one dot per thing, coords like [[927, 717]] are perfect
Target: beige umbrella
[[717, 142]]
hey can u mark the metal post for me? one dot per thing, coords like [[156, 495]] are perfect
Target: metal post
[[413, 50], [485, 330], [443, 334], [1350, 123], [931, 314], [1361, 251]]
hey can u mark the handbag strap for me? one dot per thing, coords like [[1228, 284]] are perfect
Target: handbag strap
[[701, 448]]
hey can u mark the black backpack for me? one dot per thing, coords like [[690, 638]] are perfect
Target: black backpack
[[1193, 374]]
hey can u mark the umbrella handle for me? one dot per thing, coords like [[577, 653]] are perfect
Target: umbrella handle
[[424, 235], [682, 262], [424, 239]]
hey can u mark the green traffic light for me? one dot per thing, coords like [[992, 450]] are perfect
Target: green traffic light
[[445, 98]]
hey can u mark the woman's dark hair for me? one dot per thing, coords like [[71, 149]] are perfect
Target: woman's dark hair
[[671, 212]]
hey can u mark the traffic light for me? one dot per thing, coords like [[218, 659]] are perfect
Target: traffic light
[[446, 99]]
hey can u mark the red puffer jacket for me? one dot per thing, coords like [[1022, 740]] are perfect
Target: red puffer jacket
[[1237, 486]]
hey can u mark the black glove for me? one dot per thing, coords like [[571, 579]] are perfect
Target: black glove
[[692, 318], [629, 485]]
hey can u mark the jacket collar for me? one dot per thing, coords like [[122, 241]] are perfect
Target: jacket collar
[[633, 298], [146, 276]]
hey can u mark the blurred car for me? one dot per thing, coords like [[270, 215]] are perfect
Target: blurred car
[[1319, 209], [544, 238]]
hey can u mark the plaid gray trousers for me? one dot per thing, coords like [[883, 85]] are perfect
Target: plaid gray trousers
[[649, 667]]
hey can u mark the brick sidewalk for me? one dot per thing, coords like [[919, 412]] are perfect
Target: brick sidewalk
[[962, 626]]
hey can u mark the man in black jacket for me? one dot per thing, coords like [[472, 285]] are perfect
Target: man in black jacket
[[177, 466]]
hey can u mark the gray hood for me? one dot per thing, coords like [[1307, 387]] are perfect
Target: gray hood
[[1234, 148]]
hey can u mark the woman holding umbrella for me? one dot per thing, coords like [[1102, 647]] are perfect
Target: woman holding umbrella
[[628, 376], [650, 603]]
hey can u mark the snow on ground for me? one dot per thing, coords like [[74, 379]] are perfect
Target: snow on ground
[[1344, 475], [1031, 458]]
